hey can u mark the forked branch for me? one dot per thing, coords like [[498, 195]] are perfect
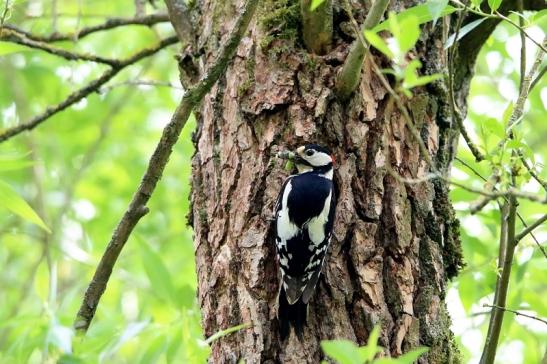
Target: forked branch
[[111, 23], [91, 87]]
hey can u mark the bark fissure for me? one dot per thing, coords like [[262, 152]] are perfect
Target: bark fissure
[[394, 246]]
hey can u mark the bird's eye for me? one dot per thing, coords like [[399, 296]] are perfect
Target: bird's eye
[[310, 152]]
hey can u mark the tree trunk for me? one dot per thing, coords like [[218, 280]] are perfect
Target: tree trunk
[[395, 245]]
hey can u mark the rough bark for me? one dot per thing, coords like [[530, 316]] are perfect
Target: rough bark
[[395, 246]]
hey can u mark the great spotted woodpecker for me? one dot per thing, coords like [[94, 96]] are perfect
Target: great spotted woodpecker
[[304, 218]]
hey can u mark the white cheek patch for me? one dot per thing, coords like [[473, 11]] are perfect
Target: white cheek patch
[[319, 159], [316, 226]]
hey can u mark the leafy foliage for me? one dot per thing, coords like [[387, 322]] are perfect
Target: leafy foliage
[[78, 171], [346, 352], [493, 92]]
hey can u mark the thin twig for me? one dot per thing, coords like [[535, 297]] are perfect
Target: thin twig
[[54, 16], [489, 186], [140, 83], [111, 23], [454, 109], [137, 207], [532, 172], [7, 6], [531, 228], [509, 192], [540, 45], [506, 199], [516, 313], [498, 16], [400, 105], [13, 36], [91, 87], [518, 110], [520, 8], [538, 78]]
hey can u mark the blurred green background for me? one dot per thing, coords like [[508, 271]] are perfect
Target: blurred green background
[[80, 168]]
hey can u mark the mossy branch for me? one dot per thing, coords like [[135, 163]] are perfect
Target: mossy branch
[[350, 74], [137, 207], [317, 26]]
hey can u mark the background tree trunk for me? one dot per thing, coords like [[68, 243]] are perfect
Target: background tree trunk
[[395, 245]]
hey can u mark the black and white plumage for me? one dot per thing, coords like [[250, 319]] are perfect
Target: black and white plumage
[[304, 220]]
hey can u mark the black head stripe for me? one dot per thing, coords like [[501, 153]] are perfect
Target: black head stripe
[[317, 148], [300, 160]]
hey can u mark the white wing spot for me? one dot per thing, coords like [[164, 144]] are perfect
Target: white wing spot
[[285, 228], [316, 226]]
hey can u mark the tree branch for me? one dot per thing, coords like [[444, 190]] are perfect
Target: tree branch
[[531, 228], [93, 86], [516, 313], [13, 36], [350, 74], [470, 45], [506, 199], [179, 16], [507, 240], [489, 186], [455, 110], [495, 194], [317, 26], [111, 23], [137, 208], [532, 172]]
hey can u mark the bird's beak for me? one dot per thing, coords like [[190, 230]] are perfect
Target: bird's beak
[[295, 158]]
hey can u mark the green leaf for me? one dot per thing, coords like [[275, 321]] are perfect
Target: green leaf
[[70, 359], [8, 48], [407, 358], [369, 351], [507, 114], [494, 127], [411, 78], [155, 349], [463, 32], [410, 34], [435, 8], [377, 42], [160, 279], [420, 12], [342, 351], [540, 19], [422, 80], [494, 4], [14, 162], [10, 200], [315, 4], [412, 355], [225, 332]]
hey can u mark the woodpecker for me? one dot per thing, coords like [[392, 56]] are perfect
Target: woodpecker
[[304, 217]]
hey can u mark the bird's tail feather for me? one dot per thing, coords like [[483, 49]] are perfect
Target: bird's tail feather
[[294, 315]]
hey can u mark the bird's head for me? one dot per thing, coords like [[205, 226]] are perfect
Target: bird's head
[[313, 157]]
